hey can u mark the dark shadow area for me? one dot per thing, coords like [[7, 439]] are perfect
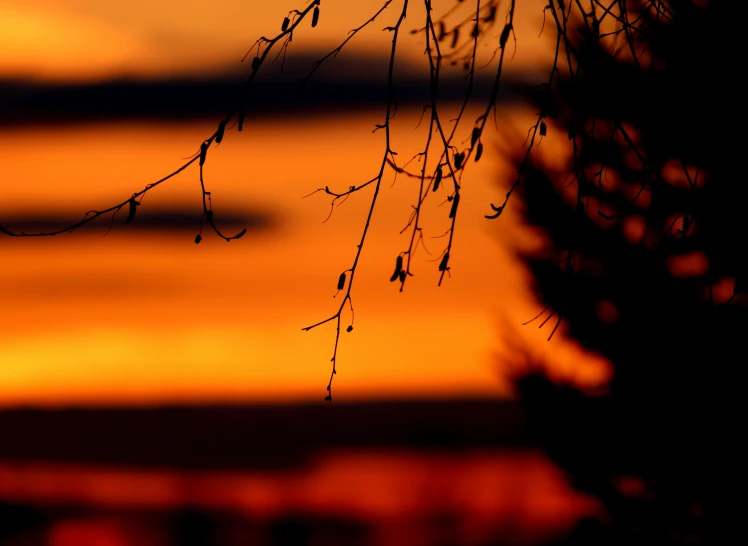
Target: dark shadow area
[[350, 83], [363, 474], [236, 437], [647, 266]]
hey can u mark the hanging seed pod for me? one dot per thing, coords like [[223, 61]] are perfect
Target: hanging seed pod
[[478, 152], [198, 238], [505, 35], [131, 212], [286, 22], [349, 329], [455, 203], [438, 179], [401, 276], [455, 37], [203, 152], [444, 262], [341, 281], [398, 269], [255, 63], [315, 16], [543, 128], [220, 131]]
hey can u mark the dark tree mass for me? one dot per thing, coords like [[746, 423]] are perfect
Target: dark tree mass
[[647, 266]]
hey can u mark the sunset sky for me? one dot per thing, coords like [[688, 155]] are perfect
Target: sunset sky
[[150, 317]]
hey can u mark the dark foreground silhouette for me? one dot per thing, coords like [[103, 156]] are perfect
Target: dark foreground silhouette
[[647, 266]]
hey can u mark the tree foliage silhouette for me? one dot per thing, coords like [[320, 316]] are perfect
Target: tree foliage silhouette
[[646, 263]]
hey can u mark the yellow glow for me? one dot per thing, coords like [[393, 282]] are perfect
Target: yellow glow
[[56, 44]]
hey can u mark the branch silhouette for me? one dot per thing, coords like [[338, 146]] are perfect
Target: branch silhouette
[[620, 27]]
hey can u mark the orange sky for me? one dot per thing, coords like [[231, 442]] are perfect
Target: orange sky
[[131, 319], [91, 40]]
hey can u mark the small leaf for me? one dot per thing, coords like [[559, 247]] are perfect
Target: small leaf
[[341, 281], [198, 238], [315, 16]]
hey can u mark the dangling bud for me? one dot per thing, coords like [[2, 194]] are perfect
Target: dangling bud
[[458, 161], [438, 178], [398, 269], [478, 152], [219, 132], [350, 328], [203, 152], [286, 22], [444, 262], [198, 238], [131, 212], [341, 281], [315, 16], [455, 203], [475, 136], [401, 276], [543, 128]]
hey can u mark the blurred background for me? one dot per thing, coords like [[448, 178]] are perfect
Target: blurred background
[[158, 392]]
